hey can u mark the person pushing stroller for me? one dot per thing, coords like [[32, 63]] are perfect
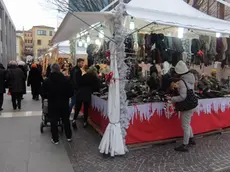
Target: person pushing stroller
[[58, 89]]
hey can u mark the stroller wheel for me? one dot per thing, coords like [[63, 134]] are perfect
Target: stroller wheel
[[41, 127]]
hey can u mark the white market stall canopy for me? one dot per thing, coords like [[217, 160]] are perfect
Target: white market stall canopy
[[175, 13], [71, 25]]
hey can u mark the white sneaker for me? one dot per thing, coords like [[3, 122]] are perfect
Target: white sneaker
[[69, 140], [56, 143]]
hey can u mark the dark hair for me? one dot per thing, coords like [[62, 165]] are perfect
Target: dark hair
[[80, 60]]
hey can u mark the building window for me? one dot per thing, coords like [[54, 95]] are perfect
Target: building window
[[39, 42], [41, 32], [51, 33]]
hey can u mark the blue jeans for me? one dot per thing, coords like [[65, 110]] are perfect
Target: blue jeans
[[73, 103]]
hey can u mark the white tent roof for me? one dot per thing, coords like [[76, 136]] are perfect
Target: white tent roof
[[175, 13], [71, 25]]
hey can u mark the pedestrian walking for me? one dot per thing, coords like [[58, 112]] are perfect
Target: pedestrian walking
[[2, 84], [58, 89], [186, 102], [35, 80], [89, 83], [75, 76], [16, 82], [22, 66]]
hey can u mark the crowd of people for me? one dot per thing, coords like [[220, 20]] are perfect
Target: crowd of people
[[58, 85], [72, 83]]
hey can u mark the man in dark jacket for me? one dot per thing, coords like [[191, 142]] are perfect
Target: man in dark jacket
[[89, 83], [16, 83], [2, 84], [58, 89], [75, 77]]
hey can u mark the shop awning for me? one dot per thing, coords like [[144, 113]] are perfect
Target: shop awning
[[71, 25], [175, 13]]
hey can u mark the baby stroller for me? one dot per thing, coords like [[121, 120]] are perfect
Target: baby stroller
[[45, 118]]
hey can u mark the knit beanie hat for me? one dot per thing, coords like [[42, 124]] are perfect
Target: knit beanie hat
[[181, 68]]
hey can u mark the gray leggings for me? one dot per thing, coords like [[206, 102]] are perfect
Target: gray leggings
[[186, 117]]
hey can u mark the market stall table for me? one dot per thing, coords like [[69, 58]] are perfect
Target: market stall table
[[148, 122]]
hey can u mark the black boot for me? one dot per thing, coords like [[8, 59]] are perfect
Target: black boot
[[182, 148], [74, 124], [192, 141], [85, 125]]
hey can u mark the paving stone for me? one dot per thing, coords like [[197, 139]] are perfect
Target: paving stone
[[210, 154]]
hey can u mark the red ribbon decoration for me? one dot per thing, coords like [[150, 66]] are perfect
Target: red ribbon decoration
[[200, 53], [108, 77]]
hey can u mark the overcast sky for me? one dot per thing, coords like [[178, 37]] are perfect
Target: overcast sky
[[27, 13]]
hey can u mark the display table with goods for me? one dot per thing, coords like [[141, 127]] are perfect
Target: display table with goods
[[153, 121]]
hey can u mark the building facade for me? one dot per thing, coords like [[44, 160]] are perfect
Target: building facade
[[42, 36], [28, 43], [19, 46], [7, 36]]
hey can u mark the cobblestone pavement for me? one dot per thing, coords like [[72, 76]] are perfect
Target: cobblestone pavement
[[212, 154]]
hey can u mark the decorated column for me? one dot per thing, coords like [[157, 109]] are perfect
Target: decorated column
[[113, 141]]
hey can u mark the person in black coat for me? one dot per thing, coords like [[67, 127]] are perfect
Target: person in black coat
[[23, 68], [89, 83], [58, 89], [2, 84], [16, 82], [35, 80], [48, 70], [75, 77]]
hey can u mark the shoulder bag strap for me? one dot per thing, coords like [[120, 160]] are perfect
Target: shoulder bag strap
[[185, 84]]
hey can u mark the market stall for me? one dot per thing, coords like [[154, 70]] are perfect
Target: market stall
[[146, 120], [149, 122]]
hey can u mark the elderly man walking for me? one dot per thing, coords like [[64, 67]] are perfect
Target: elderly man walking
[[58, 89]]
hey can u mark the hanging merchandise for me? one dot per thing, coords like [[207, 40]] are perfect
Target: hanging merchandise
[[227, 53], [141, 41], [219, 49], [212, 50], [195, 47], [205, 46]]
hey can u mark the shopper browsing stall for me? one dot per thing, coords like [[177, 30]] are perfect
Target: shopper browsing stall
[[75, 77], [186, 102], [89, 84]]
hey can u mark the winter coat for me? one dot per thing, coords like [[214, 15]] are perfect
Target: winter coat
[[35, 80], [89, 83], [16, 80], [190, 81], [75, 76], [48, 71], [2, 79], [57, 89], [25, 73]]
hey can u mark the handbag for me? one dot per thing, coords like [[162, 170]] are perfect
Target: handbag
[[190, 102]]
